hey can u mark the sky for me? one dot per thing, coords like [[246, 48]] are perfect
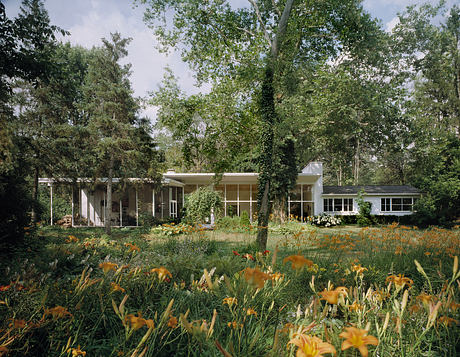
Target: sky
[[90, 20]]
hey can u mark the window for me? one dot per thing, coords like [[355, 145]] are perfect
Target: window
[[397, 204], [348, 204], [338, 204], [328, 202]]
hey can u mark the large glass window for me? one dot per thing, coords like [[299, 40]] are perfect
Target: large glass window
[[244, 192], [295, 195], [232, 192], [307, 193], [328, 204], [338, 204], [348, 204], [396, 204]]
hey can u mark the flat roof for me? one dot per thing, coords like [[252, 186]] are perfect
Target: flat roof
[[371, 190]]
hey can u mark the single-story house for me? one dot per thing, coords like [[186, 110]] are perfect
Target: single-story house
[[239, 192]]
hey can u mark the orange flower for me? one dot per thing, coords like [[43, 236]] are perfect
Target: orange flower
[[230, 301], [234, 325], [277, 276], [256, 277], [107, 266], [172, 323], [116, 287], [57, 312], [76, 352], [425, 299], [332, 296], [359, 339], [400, 281], [298, 261], [311, 346], [447, 321], [3, 350], [358, 269], [71, 239], [355, 307], [17, 323], [162, 272], [132, 247], [136, 322], [250, 311]]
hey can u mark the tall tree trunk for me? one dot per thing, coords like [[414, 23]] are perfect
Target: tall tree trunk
[[356, 164], [108, 208], [34, 214], [267, 107]]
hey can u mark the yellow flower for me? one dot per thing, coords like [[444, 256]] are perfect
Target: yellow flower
[[256, 277], [311, 346], [230, 301], [277, 276], [107, 266], [332, 296], [298, 261], [234, 325], [71, 239], [425, 299], [359, 339], [400, 281], [355, 307], [116, 287], [76, 352], [162, 272], [57, 312]]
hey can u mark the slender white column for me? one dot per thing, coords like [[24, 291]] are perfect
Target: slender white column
[[72, 222], [153, 202], [137, 209], [250, 202], [301, 203], [88, 218], [51, 203], [225, 200], [121, 214], [238, 200]]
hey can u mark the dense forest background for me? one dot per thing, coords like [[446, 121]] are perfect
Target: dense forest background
[[291, 82]]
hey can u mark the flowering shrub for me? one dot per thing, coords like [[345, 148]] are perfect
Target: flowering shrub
[[324, 220]]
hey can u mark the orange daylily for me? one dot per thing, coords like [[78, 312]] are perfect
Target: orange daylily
[[58, 311], [76, 352], [250, 311], [358, 269], [298, 261], [162, 272], [332, 296], [138, 321], [400, 281], [172, 322], [107, 266], [256, 277], [132, 247], [116, 287], [311, 346], [230, 301], [358, 338], [447, 321]]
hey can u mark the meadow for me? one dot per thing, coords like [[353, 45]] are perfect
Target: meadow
[[177, 290]]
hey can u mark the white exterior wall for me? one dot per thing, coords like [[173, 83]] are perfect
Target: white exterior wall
[[316, 168]]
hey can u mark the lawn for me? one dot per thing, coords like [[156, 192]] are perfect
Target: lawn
[[183, 291]]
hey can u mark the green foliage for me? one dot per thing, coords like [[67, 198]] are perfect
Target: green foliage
[[61, 203], [201, 203], [364, 214], [244, 219]]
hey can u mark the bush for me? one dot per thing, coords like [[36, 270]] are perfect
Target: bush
[[324, 220], [244, 219], [201, 203], [364, 217]]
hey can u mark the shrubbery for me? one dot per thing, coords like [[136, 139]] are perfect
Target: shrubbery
[[324, 220]]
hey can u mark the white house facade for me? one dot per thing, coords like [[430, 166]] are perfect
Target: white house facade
[[136, 197]]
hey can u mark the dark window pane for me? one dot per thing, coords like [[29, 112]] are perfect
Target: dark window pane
[[337, 204]]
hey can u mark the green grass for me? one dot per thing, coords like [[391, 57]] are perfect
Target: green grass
[[187, 309]]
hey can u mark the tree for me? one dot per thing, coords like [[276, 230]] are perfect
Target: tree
[[260, 46], [118, 138]]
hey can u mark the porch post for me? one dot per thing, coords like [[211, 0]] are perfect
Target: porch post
[[250, 203], [88, 218], [301, 203], [225, 200], [137, 209], [121, 213], [72, 221], [238, 200], [51, 203], [153, 202]]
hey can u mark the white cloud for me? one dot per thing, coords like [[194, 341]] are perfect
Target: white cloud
[[391, 24]]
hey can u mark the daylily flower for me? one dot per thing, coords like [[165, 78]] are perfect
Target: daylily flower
[[162, 272], [358, 269], [116, 287], [332, 296], [76, 352], [250, 311], [58, 311], [107, 266], [234, 325], [447, 321], [230, 301], [311, 346], [132, 247], [400, 281], [298, 261], [359, 339], [248, 256], [172, 322], [17, 323], [256, 277], [136, 322]]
